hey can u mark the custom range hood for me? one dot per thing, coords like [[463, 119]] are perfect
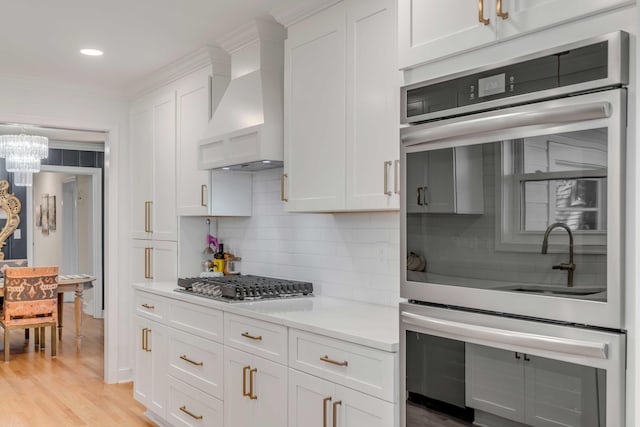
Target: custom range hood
[[246, 130]]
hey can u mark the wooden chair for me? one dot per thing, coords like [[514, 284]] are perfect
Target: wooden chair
[[30, 301]]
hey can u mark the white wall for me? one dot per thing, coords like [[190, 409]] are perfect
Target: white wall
[[354, 256], [27, 101]]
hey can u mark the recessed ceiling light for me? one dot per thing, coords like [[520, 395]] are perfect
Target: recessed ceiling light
[[91, 52], [266, 161], [225, 169]]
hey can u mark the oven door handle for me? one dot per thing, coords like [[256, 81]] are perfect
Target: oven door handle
[[466, 331], [501, 120]]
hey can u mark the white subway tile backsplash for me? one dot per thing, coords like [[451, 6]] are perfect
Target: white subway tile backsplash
[[351, 255]]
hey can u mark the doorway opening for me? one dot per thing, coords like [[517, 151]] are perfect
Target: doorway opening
[[64, 213]]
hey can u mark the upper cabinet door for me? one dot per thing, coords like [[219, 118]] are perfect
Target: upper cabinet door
[[431, 29], [529, 15], [315, 111], [141, 143], [372, 106], [164, 220], [193, 109]]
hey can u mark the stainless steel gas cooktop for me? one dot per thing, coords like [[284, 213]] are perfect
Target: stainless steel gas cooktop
[[243, 288]]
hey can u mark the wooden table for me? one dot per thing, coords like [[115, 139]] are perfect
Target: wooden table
[[77, 285]]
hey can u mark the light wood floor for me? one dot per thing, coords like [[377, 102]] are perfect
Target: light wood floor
[[38, 391]]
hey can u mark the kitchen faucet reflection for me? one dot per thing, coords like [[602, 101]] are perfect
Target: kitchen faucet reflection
[[570, 267]]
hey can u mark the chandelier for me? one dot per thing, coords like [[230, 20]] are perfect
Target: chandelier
[[23, 154]]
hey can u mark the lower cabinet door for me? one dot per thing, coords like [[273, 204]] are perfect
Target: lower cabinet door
[[315, 402], [255, 391], [355, 409], [189, 406], [310, 400], [151, 365]]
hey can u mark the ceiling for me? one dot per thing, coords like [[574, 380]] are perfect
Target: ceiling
[[41, 39]]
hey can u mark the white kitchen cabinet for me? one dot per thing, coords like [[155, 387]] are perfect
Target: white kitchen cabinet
[[341, 109], [315, 112], [315, 402], [446, 181], [153, 260], [150, 380], [193, 114], [373, 148], [255, 391], [431, 29], [153, 154], [532, 390]]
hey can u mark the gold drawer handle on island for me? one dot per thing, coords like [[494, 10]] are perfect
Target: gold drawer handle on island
[[335, 412], [324, 410], [500, 13], [481, 17], [325, 358], [149, 307], [186, 359], [251, 337], [186, 411]]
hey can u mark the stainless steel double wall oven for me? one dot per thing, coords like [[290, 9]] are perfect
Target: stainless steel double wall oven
[[513, 203]]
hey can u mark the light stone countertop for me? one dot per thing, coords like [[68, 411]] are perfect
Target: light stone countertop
[[370, 325]]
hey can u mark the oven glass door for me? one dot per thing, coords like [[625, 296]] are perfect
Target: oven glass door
[[456, 379], [522, 202]]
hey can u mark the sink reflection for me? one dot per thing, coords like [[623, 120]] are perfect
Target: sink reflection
[[558, 291]]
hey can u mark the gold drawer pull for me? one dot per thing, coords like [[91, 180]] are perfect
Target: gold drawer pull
[[251, 337], [186, 411], [325, 358], [244, 381], [481, 18], [146, 343], [335, 412], [149, 307], [500, 13], [324, 410], [251, 395], [186, 359]]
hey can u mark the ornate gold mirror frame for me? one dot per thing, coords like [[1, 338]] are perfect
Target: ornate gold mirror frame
[[11, 205]]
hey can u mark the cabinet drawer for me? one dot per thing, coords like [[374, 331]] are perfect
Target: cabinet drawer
[[202, 321], [264, 339], [361, 368], [196, 361], [151, 306], [191, 407]]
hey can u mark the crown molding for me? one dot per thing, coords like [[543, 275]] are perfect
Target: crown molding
[[251, 32], [303, 9], [201, 58]]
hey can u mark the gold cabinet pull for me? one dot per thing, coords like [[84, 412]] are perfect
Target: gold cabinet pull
[[481, 17], [324, 410], [149, 307], [396, 176], [335, 412], [203, 195], [186, 359], [186, 411], [244, 381], [147, 263], [500, 13], [252, 337], [147, 217], [146, 346], [325, 358], [283, 177], [251, 395], [144, 343], [387, 165]]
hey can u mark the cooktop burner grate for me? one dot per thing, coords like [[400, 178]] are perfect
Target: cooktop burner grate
[[244, 287]]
